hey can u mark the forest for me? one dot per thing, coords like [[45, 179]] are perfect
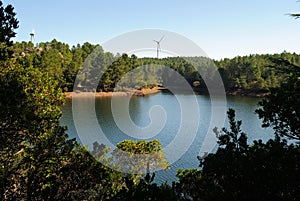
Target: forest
[[38, 160], [243, 75]]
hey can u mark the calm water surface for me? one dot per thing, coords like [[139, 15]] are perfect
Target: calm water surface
[[139, 108]]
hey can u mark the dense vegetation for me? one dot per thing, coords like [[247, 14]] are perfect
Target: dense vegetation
[[242, 75], [39, 162]]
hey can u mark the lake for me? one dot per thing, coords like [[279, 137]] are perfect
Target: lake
[[161, 116]]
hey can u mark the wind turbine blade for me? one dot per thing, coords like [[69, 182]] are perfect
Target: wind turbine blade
[[156, 41], [161, 38]]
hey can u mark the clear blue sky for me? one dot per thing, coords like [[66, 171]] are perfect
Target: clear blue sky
[[221, 28]]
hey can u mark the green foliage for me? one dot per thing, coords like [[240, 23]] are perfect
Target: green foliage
[[38, 161], [241, 75], [8, 23], [141, 156], [233, 139], [29, 123], [136, 187], [264, 172], [191, 185], [144, 191], [54, 58], [116, 71], [29, 100], [280, 109], [252, 74], [238, 171]]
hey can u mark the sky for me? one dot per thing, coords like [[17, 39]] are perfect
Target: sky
[[223, 29]]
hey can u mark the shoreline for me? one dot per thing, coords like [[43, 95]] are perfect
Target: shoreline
[[247, 93], [142, 92], [154, 90]]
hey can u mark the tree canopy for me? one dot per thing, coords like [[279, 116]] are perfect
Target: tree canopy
[[8, 24], [38, 161], [239, 171], [280, 109], [241, 75]]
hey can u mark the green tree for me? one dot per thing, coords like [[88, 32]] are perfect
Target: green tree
[[51, 63], [137, 159], [141, 156], [280, 109], [145, 191], [191, 185], [238, 171], [38, 161], [29, 122], [8, 24], [71, 70]]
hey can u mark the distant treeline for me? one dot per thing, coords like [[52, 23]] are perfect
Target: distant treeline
[[254, 74]]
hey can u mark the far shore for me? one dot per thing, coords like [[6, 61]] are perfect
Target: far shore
[[148, 91], [248, 93], [142, 92]]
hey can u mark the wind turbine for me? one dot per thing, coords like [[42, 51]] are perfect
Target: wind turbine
[[158, 45], [32, 35]]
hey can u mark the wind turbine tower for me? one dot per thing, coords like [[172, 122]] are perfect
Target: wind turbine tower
[[32, 35], [158, 45]]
